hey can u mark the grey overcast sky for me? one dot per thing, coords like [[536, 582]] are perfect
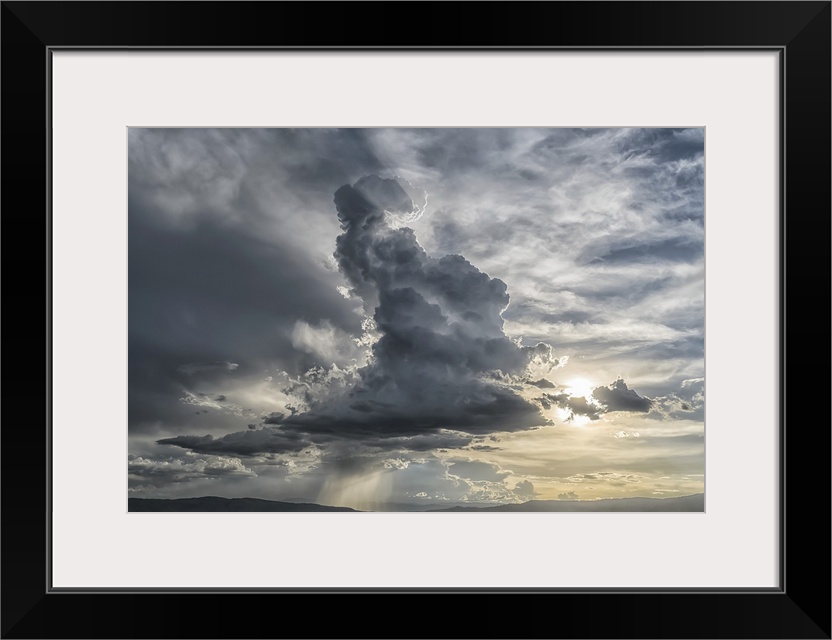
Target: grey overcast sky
[[367, 317]]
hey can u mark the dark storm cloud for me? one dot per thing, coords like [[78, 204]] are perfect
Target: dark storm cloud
[[214, 280], [192, 368], [346, 440], [215, 291], [424, 442], [472, 406], [440, 327], [241, 443], [273, 440], [157, 387], [619, 397]]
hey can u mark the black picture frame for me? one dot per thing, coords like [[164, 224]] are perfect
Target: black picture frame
[[799, 31]]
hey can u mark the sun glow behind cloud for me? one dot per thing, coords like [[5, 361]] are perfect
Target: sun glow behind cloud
[[580, 387]]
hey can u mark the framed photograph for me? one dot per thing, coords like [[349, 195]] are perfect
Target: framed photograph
[[499, 316]]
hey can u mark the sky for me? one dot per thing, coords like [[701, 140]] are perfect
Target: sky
[[397, 318]]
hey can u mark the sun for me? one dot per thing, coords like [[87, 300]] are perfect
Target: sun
[[579, 421], [580, 387]]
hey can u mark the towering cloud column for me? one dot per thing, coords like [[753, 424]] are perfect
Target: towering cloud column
[[440, 325]]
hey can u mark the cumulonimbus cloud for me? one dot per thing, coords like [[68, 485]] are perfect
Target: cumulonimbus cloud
[[442, 370], [441, 333]]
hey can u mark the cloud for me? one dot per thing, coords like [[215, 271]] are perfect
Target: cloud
[[241, 443], [193, 368], [598, 234], [674, 249], [476, 470], [276, 440], [525, 489], [440, 328], [442, 439], [543, 384], [325, 341], [484, 447], [219, 268], [579, 405], [619, 397], [620, 435], [162, 471], [692, 393], [569, 495], [219, 403], [576, 405], [401, 202], [542, 361], [615, 397], [686, 403]]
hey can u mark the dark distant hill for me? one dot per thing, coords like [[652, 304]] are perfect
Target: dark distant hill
[[214, 504], [695, 502], [399, 507]]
